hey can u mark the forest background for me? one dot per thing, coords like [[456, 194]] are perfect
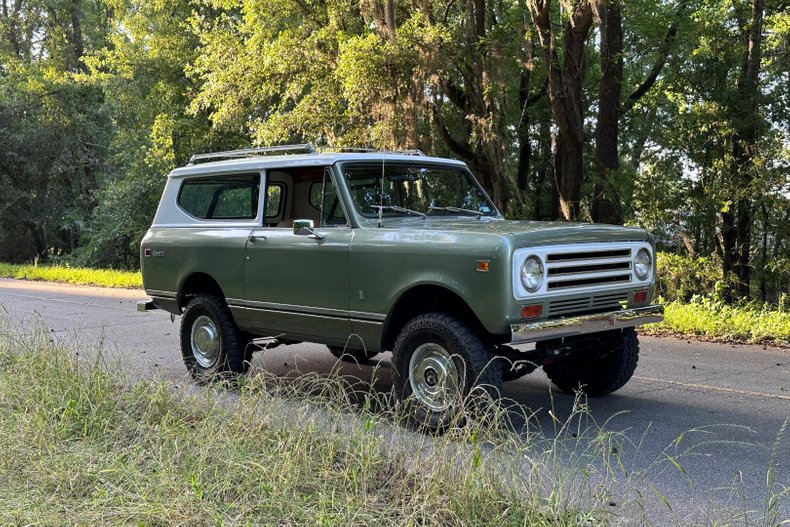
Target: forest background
[[671, 115]]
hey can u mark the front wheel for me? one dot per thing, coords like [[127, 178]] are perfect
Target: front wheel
[[599, 368], [211, 343], [438, 362]]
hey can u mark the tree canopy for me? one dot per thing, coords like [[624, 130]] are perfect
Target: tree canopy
[[673, 115]]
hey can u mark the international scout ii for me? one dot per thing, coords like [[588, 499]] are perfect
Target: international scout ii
[[367, 251]]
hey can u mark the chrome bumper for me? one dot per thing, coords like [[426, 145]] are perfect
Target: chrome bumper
[[580, 325]]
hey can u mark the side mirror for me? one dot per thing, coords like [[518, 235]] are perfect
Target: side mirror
[[305, 228]]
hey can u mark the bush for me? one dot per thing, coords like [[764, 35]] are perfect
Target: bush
[[712, 318], [683, 277]]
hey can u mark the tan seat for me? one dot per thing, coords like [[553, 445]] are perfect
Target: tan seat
[[286, 224]]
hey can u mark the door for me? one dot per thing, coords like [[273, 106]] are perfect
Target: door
[[298, 284]]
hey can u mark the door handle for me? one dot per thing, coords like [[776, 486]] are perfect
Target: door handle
[[253, 238]]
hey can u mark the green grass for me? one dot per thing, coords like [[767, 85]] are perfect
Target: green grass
[[82, 444], [72, 275], [716, 320]]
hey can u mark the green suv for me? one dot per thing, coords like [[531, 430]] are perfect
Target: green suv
[[367, 251]]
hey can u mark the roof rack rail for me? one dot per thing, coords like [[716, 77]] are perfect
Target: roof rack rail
[[249, 152], [368, 150], [413, 152], [346, 149]]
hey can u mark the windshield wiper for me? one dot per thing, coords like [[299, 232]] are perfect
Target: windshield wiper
[[458, 209], [402, 210]]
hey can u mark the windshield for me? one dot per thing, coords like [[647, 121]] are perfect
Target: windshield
[[415, 190]]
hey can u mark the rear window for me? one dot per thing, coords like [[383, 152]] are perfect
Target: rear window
[[221, 198]]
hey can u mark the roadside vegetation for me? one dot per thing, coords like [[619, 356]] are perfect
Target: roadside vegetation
[[72, 275], [715, 320], [81, 442], [692, 291]]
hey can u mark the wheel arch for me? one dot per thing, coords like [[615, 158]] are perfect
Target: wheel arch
[[198, 283], [427, 298]]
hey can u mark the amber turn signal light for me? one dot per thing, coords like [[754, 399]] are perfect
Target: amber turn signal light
[[531, 311], [483, 265]]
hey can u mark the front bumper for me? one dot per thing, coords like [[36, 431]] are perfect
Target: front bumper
[[583, 324]]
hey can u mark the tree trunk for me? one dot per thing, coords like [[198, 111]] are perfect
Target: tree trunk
[[524, 145], [606, 201], [565, 90], [737, 246]]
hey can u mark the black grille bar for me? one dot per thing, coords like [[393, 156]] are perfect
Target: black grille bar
[[590, 281], [564, 257], [581, 268]]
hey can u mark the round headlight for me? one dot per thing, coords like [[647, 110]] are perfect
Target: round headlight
[[532, 273], [642, 264]]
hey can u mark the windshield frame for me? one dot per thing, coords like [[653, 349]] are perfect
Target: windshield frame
[[364, 220]]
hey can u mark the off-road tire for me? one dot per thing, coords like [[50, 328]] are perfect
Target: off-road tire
[[600, 371], [234, 353], [352, 355], [480, 374]]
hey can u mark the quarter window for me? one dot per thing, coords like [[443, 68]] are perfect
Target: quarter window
[[274, 199], [221, 198]]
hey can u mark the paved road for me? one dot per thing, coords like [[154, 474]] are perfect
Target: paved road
[[729, 401]]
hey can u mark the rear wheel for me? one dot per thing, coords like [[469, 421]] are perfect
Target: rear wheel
[[599, 368], [437, 363], [352, 355], [211, 344]]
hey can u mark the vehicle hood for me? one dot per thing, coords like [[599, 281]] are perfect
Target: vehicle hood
[[533, 233]]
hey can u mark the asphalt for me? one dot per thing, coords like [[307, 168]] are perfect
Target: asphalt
[[717, 410]]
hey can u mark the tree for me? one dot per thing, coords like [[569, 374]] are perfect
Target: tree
[[54, 129], [565, 76], [606, 199]]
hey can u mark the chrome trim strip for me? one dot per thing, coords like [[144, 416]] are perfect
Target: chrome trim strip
[[306, 310], [288, 308], [583, 324], [363, 315], [161, 292]]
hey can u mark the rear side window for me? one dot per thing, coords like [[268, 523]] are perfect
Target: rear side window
[[221, 198], [274, 199]]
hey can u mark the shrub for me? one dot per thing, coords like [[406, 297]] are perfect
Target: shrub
[[682, 277]]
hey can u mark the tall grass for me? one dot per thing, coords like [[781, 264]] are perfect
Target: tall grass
[[82, 443], [72, 275]]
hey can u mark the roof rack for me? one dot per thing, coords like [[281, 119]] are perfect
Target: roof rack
[[293, 149], [367, 150], [249, 152]]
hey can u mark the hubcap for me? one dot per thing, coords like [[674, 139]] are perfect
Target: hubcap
[[433, 377], [205, 341]]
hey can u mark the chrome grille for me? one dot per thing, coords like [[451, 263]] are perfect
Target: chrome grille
[[568, 270]]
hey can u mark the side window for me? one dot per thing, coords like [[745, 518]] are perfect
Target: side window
[[274, 199], [221, 197], [331, 208]]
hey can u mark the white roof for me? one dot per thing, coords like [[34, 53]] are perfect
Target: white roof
[[260, 162]]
